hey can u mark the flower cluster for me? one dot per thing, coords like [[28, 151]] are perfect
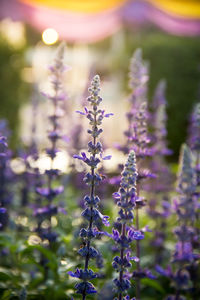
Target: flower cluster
[[159, 205], [159, 120], [138, 77], [91, 214], [50, 191], [184, 257], [194, 142], [6, 176], [138, 139], [124, 234], [194, 129], [3, 201]]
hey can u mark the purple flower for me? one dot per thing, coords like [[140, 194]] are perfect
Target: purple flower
[[124, 234], [48, 191], [85, 288], [92, 178], [6, 177], [83, 274]]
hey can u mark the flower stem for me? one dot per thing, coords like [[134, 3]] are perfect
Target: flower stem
[[138, 255]]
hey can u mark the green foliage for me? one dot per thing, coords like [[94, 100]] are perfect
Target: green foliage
[[13, 91], [177, 60]]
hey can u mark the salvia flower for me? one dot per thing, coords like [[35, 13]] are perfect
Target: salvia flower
[[185, 207], [138, 75], [138, 138], [91, 213], [49, 192], [124, 235], [7, 177], [159, 120], [158, 205], [194, 130], [183, 257], [3, 202]]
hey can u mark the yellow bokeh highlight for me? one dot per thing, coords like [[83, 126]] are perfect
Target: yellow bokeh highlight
[[182, 8], [84, 6], [50, 36]]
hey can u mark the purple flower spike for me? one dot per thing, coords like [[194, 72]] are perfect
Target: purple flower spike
[[91, 214], [184, 256], [6, 177], [49, 192], [124, 234]]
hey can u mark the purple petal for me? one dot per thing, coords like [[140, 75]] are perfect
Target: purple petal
[[78, 157], [59, 190], [65, 138], [83, 155], [135, 258], [116, 195], [108, 115], [146, 229], [105, 221], [62, 210], [108, 157], [107, 234], [80, 112], [43, 191]]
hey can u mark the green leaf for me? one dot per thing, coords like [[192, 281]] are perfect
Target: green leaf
[[6, 295], [154, 284], [4, 276]]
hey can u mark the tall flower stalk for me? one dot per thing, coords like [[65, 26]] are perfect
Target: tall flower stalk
[[50, 192], [7, 177], [183, 258], [194, 142], [3, 163], [159, 189], [124, 234], [185, 209], [91, 214], [139, 141]]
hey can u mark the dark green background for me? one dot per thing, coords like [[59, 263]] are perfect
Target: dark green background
[[177, 59]]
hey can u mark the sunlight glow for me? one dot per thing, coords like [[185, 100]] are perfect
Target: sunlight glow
[[50, 36]]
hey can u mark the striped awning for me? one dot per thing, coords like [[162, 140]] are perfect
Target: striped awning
[[93, 20]]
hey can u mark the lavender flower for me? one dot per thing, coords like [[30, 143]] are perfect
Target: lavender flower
[[184, 257], [194, 142], [92, 178], [3, 210], [158, 204], [194, 130], [138, 139], [138, 77], [49, 192], [160, 120], [6, 176], [125, 234]]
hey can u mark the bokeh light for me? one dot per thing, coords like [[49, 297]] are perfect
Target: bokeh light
[[50, 36]]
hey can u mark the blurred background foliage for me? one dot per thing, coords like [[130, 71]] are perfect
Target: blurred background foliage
[[14, 92], [177, 59]]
